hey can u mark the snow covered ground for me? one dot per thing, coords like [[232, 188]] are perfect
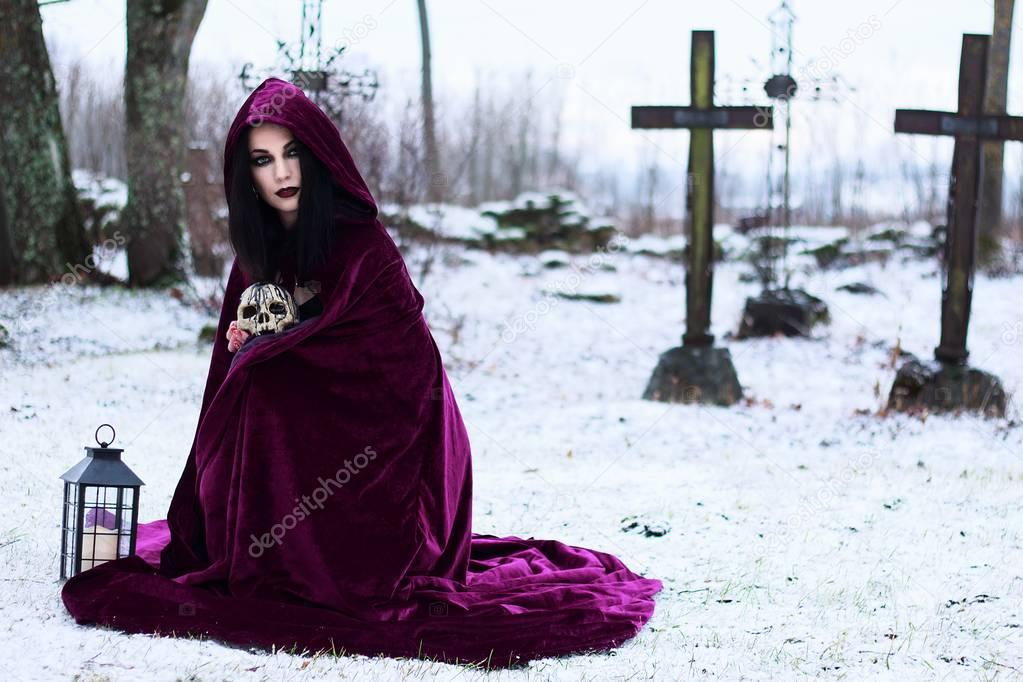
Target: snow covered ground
[[806, 536]]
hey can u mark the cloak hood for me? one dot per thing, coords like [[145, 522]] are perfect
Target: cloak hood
[[278, 101]]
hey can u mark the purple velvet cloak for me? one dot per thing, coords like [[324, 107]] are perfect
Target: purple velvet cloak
[[326, 502]]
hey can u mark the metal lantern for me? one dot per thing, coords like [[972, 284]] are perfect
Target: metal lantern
[[101, 503]]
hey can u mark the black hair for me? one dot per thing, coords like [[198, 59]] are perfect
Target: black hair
[[259, 239]]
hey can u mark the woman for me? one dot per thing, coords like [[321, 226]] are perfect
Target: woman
[[268, 227], [326, 502]]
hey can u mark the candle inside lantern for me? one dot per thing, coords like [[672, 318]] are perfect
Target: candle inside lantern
[[100, 538], [99, 544]]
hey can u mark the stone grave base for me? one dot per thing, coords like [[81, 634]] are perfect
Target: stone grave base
[[694, 374], [938, 387], [791, 312]]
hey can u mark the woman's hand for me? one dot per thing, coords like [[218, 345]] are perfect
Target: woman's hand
[[235, 337]]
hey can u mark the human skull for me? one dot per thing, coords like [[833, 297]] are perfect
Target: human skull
[[266, 308]]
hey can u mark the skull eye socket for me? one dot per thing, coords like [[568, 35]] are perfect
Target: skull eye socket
[[277, 308], [248, 311]]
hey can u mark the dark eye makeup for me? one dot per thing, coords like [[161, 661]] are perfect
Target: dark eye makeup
[[263, 159]]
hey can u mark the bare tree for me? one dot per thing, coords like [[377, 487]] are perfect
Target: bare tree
[[42, 226], [990, 227], [648, 188], [837, 185], [210, 104], [436, 182], [475, 132], [406, 179], [93, 113], [160, 35], [364, 128]]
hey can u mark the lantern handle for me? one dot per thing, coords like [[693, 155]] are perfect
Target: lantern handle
[[101, 443]]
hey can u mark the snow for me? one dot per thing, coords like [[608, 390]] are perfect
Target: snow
[[539, 200], [513, 233], [470, 224], [657, 244], [455, 222], [736, 243], [111, 260], [807, 536], [104, 191], [553, 258]]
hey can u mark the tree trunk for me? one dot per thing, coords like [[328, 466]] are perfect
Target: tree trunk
[[990, 219], [436, 182], [6, 248], [160, 35], [41, 228], [475, 152]]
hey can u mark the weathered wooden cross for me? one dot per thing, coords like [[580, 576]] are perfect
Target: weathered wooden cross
[[696, 371], [701, 117], [969, 125]]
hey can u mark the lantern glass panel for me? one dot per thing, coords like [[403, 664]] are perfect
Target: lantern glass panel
[[99, 525]]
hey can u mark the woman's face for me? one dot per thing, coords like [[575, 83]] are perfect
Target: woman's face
[[276, 174]]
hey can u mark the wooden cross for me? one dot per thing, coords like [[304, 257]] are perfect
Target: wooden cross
[[701, 117], [969, 125]]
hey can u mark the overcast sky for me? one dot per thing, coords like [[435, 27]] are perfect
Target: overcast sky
[[603, 57]]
